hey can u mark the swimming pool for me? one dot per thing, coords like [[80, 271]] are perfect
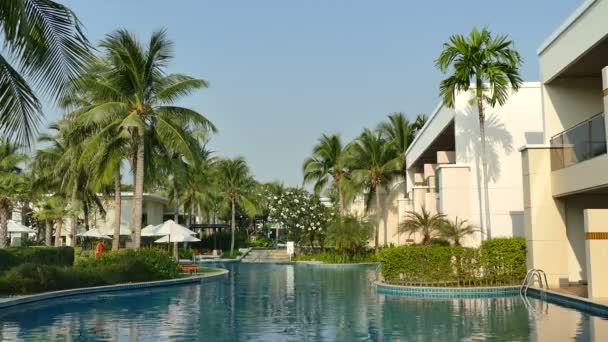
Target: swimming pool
[[266, 302]]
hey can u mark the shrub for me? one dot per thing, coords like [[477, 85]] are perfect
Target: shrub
[[112, 268], [15, 256], [260, 241], [222, 239], [338, 258], [496, 262]]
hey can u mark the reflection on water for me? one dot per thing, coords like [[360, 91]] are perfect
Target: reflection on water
[[289, 303]]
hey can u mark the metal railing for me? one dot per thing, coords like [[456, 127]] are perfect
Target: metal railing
[[582, 142], [533, 275]]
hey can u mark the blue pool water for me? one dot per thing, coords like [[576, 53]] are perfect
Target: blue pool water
[[292, 303]]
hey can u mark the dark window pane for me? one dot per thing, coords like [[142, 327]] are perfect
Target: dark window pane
[[598, 136]]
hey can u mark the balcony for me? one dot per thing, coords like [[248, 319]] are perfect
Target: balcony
[[582, 142]]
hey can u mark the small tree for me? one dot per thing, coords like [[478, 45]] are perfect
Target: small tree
[[350, 234], [456, 230], [425, 223]]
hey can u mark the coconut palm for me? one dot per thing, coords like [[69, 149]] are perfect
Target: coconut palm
[[45, 41], [236, 183], [399, 132], [52, 210], [456, 230], [13, 184], [327, 163], [489, 64], [424, 222], [373, 163], [135, 97], [418, 123]]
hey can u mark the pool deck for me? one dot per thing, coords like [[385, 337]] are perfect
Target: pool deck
[[13, 301]]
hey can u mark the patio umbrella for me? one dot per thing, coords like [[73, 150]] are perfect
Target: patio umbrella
[[94, 233], [18, 228], [168, 227], [171, 229], [177, 238]]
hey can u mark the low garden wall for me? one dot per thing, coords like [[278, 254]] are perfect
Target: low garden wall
[[498, 262]]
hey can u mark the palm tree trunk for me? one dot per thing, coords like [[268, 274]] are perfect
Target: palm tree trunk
[[74, 223], [175, 213], [190, 210], [3, 225], [138, 192], [117, 212], [85, 211], [485, 224], [58, 233], [233, 225], [341, 200], [378, 218], [48, 233]]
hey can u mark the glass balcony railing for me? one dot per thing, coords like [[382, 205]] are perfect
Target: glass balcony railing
[[582, 142]]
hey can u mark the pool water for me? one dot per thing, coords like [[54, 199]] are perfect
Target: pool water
[[264, 302]]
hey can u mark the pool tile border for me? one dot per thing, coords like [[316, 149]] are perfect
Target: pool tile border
[[446, 292], [9, 302], [572, 302], [336, 266]]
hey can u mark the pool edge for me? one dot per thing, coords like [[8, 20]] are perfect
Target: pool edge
[[40, 297], [446, 292]]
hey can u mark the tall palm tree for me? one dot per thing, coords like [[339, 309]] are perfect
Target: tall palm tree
[[490, 65], [136, 97], [236, 183], [327, 161], [399, 132], [456, 230], [13, 184], [418, 123], [423, 222], [45, 41], [373, 163]]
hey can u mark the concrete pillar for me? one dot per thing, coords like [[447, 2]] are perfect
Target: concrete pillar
[[454, 185], [544, 218], [596, 252], [446, 157], [605, 89]]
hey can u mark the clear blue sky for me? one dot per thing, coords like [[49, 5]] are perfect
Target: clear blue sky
[[282, 72]]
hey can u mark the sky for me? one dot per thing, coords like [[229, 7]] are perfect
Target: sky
[[283, 72]]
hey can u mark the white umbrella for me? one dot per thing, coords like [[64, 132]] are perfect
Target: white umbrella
[[168, 227], [14, 227], [177, 238], [94, 233]]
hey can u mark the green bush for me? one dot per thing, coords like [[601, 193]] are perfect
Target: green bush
[[496, 262], [338, 258], [222, 239], [119, 267], [260, 241], [15, 256]]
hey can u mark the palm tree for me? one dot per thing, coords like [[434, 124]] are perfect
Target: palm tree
[[399, 132], [135, 97], [373, 163], [45, 40], [328, 160], [236, 183], [456, 230], [13, 184], [51, 210], [349, 234], [488, 64], [419, 122], [422, 222]]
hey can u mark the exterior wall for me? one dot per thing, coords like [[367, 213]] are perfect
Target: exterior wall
[[517, 123], [153, 207], [583, 30], [596, 222], [453, 188], [544, 224]]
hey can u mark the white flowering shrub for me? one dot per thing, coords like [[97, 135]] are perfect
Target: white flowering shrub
[[302, 214]]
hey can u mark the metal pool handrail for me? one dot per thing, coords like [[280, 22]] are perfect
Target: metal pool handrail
[[530, 275]]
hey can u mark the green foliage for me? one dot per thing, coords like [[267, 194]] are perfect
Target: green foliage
[[456, 230], [302, 214], [338, 258], [222, 240], [496, 262], [260, 241], [349, 234], [156, 263], [439, 242], [15, 256], [425, 223]]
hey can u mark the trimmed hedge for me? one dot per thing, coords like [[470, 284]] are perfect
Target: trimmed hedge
[[119, 267], [338, 258], [15, 256], [496, 262]]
